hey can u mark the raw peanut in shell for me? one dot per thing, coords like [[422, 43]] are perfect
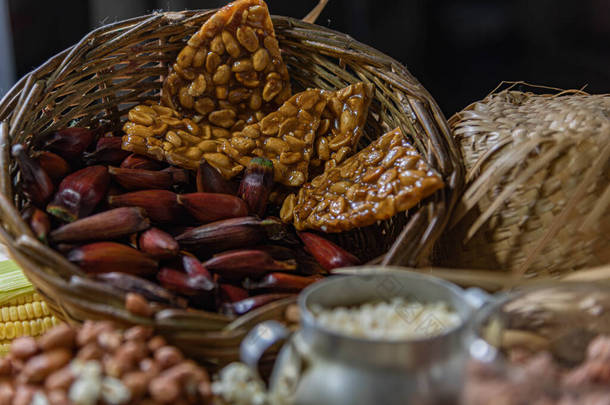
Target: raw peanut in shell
[[329, 255], [106, 225], [54, 165], [69, 143], [385, 178], [35, 182], [79, 193], [209, 207], [256, 185], [161, 206], [106, 257], [158, 244]]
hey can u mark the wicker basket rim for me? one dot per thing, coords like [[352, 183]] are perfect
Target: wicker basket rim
[[401, 98]]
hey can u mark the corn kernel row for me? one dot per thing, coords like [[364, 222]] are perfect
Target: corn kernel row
[[26, 315], [21, 312]]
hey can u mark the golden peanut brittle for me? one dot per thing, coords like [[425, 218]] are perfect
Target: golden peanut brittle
[[387, 177], [285, 136], [231, 72], [164, 134], [342, 125]]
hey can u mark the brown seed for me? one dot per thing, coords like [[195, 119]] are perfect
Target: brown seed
[[138, 333], [168, 356], [223, 118], [272, 88], [260, 59], [186, 100], [248, 79], [217, 46], [23, 395], [272, 46], [255, 100], [164, 390], [231, 45], [199, 58], [62, 335], [137, 383], [37, 368], [247, 38], [222, 92], [137, 305], [222, 75], [204, 105], [238, 95], [198, 86], [212, 62], [286, 212], [110, 340], [60, 379], [242, 65], [90, 351], [24, 347], [156, 342]]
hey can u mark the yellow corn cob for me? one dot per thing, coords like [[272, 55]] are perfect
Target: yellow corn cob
[[26, 315]]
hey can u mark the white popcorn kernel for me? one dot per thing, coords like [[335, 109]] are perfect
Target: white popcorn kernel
[[395, 319], [114, 392]]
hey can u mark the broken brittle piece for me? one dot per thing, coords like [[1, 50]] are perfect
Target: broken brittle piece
[[231, 72], [387, 177], [342, 125], [285, 136], [164, 134]]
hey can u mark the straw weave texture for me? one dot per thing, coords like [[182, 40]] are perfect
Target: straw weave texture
[[538, 183]]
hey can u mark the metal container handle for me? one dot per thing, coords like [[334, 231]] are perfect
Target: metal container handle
[[259, 340], [477, 297]]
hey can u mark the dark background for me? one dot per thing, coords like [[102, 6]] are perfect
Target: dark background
[[459, 49]]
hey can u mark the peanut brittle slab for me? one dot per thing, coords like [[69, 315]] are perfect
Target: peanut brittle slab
[[164, 134], [285, 136], [387, 177], [342, 125], [231, 72]]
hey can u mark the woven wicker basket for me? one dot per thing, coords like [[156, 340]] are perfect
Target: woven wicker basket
[[120, 64], [538, 183]]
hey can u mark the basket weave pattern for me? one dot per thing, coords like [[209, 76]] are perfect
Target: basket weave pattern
[[118, 65], [538, 183]]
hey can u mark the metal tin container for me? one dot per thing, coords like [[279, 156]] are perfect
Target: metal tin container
[[321, 366]]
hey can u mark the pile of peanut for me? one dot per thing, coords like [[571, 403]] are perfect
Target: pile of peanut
[[538, 378], [99, 364]]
